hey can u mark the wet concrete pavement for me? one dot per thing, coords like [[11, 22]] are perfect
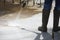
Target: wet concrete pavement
[[22, 24]]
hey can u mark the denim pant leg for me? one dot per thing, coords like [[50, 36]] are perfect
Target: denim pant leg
[[48, 4], [57, 4]]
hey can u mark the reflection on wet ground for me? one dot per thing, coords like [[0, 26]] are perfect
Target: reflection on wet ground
[[15, 11]]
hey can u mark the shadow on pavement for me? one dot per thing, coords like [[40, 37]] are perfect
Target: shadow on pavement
[[40, 36], [57, 36]]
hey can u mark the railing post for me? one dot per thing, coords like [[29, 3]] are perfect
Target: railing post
[[4, 4], [40, 4], [33, 2], [20, 2], [12, 1]]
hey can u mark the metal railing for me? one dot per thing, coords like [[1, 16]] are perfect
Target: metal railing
[[26, 2]]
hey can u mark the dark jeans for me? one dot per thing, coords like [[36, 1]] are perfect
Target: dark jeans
[[48, 4]]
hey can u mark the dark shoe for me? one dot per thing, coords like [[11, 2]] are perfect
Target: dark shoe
[[42, 29], [56, 29]]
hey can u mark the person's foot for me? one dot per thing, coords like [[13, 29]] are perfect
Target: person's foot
[[42, 29], [56, 29]]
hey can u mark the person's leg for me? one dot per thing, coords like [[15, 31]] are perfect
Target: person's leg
[[48, 4], [57, 4], [45, 15], [56, 16]]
